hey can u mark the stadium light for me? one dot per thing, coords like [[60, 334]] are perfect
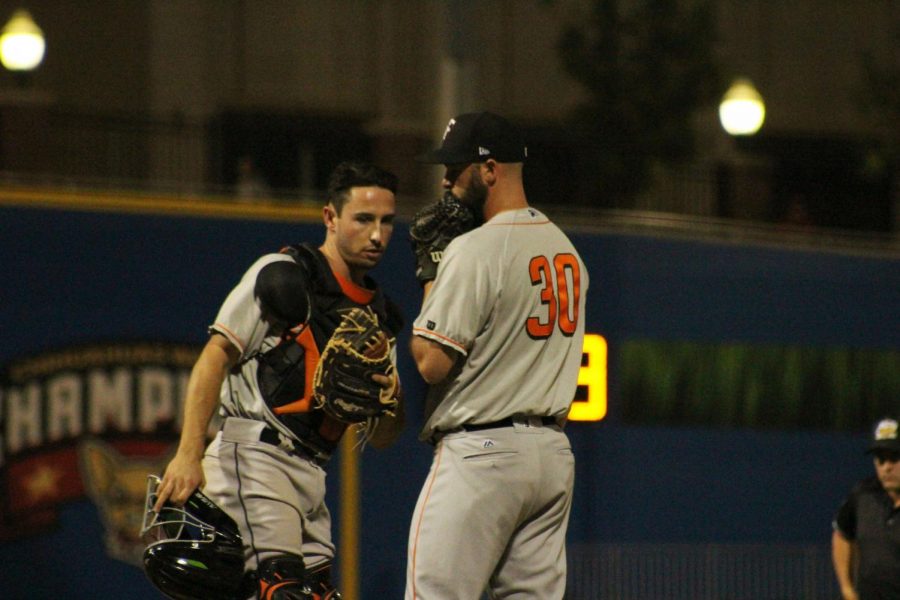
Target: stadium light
[[742, 110], [21, 43]]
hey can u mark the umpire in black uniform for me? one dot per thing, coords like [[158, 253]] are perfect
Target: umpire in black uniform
[[865, 545]]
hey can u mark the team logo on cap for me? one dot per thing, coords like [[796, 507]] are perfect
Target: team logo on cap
[[449, 127], [886, 430]]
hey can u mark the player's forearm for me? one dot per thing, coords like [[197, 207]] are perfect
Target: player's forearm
[[433, 360], [198, 411], [842, 558], [202, 396]]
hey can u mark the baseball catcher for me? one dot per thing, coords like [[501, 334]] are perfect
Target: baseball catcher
[[433, 228], [258, 369], [344, 386]]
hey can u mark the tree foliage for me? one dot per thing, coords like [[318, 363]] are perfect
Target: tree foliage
[[647, 66]]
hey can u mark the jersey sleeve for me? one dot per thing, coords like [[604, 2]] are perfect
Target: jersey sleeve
[[240, 317], [845, 518], [456, 307]]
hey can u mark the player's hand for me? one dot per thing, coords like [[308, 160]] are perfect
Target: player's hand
[[848, 593], [432, 230], [383, 380], [182, 477]]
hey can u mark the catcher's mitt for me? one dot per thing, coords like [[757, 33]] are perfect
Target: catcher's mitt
[[433, 228], [343, 384]]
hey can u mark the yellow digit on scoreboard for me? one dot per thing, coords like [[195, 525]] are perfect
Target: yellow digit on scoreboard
[[592, 376]]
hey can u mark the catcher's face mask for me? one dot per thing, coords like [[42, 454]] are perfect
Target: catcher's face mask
[[171, 523], [194, 551]]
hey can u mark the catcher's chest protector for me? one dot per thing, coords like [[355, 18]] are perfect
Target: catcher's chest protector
[[285, 373]]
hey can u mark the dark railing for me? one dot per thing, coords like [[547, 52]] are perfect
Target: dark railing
[[140, 152], [47, 145]]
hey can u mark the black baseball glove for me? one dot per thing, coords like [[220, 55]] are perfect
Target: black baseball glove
[[343, 384], [433, 228]]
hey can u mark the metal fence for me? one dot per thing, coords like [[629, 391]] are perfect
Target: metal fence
[[139, 151], [700, 572], [44, 144]]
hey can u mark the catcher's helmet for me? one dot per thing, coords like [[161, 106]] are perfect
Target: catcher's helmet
[[193, 552]]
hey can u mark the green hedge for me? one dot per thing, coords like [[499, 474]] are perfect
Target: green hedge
[[764, 386]]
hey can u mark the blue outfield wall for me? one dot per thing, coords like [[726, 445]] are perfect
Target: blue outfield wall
[[78, 277]]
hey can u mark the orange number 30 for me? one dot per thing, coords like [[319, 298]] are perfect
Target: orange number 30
[[562, 306]]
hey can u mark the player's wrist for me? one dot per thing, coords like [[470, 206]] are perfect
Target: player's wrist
[[192, 448]]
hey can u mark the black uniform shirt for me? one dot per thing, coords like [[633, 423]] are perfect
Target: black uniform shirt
[[868, 517]]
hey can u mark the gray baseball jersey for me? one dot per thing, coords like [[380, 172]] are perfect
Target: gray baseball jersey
[[264, 468], [240, 320], [292, 485], [509, 297]]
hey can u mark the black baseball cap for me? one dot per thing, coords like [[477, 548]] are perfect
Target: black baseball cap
[[885, 436], [476, 137]]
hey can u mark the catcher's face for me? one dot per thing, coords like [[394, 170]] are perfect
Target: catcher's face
[[363, 228]]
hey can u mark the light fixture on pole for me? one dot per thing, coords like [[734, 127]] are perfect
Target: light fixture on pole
[[742, 110], [21, 43]]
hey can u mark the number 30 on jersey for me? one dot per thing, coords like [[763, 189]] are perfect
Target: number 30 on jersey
[[560, 290]]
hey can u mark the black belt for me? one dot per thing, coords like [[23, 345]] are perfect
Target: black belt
[[507, 422], [270, 436]]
